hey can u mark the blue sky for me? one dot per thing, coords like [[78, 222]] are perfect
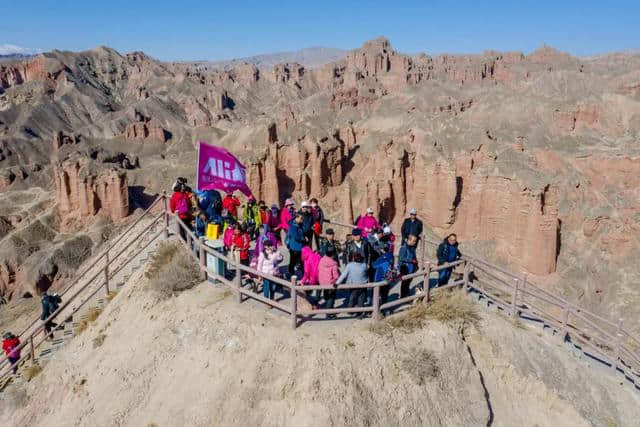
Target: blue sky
[[225, 29]]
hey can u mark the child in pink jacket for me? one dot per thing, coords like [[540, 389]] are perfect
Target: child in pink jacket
[[328, 274], [310, 261]]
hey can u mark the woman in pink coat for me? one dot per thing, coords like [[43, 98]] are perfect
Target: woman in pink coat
[[328, 274], [287, 214], [367, 223]]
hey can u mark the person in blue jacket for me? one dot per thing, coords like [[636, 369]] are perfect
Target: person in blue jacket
[[447, 252], [407, 262], [295, 240], [381, 268]]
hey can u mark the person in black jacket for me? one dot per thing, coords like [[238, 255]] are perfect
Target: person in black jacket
[[411, 226], [447, 252], [50, 304], [357, 245], [329, 243], [307, 222]]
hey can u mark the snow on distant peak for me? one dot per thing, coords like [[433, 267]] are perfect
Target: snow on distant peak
[[11, 49]]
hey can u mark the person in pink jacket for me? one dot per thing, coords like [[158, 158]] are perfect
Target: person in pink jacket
[[310, 261], [268, 262], [367, 223], [227, 238], [287, 214], [328, 274]]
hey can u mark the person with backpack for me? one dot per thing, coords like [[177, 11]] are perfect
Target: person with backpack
[[389, 238], [356, 273], [318, 221], [231, 204], [295, 241], [268, 262], [447, 252], [50, 304], [328, 274], [307, 222], [200, 228], [407, 262], [383, 270], [251, 217], [367, 223], [179, 204], [10, 344]]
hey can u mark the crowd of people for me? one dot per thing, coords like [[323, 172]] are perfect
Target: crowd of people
[[316, 256]]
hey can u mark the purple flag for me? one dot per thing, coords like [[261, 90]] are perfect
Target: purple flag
[[218, 169]]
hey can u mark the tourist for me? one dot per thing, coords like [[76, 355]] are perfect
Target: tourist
[[240, 245], [179, 203], [447, 252], [10, 344], [307, 221], [367, 223], [318, 221], [310, 260], [389, 238], [268, 262], [328, 274], [200, 227], [407, 262], [264, 236], [227, 220], [295, 242], [356, 273], [287, 214], [251, 217], [411, 226], [227, 236], [210, 202], [50, 304], [264, 212], [329, 243], [273, 221], [231, 204], [357, 245], [383, 270]]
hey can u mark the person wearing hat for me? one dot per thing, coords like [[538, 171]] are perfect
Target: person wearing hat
[[287, 214], [389, 238], [50, 304], [367, 223], [407, 262], [307, 221], [295, 242], [357, 245], [411, 226], [10, 344], [329, 243], [318, 221]]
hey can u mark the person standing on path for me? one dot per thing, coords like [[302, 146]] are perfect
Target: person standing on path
[[268, 262], [447, 252], [328, 274], [356, 273], [407, 263], [329, 243], [295, 241], [231, 204], [367, 223], [411, 226], [10, 344], [287, 214], [307, 222], [50, 304], [318, 221]]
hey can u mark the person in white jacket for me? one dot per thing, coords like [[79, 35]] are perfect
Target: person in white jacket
[[268, 262]]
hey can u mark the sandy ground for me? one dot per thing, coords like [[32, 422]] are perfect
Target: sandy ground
[[202, 359]]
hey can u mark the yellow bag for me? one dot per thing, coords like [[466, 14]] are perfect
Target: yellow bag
[[213, 231]]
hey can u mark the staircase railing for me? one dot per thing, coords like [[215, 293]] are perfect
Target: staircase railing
[[86, 292]]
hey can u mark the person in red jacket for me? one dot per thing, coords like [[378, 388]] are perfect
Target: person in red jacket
[[179, 203], [240, 245], [10, 344], [231, 203]]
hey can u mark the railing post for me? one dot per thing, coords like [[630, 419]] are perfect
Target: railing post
[[617, 342], [294, 302], [376, 303], [106, 273], [166, 215], [422, 249], [565, 321], [237, 280], [203, 259], [465, 273], [33, 349], [514, 301], [427, 283]]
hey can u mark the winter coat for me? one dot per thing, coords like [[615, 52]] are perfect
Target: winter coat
[[310, 261], [251, 214], [295, 237], [407, 258], [227, 238], [264, 216], [355, 273], [50, 304], [269, 264], [390, 240], [263, 238], [231, 203], [325, 245], [307, 222], [273, 220], [367, 223], [364, 249], [378, 247], [448, 253], [286, 216], [241, 242], [178, 198], [318, 218], [201, 227], [10, 346], [210, 202], [411, 228], [328, 271], [381, 266]]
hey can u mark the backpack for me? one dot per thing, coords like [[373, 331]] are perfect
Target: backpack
[[216, 201], [392, 275], [182, 207]]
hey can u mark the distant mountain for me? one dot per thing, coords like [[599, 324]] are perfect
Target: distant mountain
[[11, 52], [309, 57]]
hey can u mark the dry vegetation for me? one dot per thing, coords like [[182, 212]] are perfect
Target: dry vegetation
[[31, 371], [453, 307], [93, 313], [420, 364], [99, 340], [172, 270], [73, 252]]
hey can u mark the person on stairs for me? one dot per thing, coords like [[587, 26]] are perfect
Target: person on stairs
[[50, 304], [10, 344], [447, 252], [407, 262], [367, 223], [180, 205], [411, 226], [268, 262], [356, 273]]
